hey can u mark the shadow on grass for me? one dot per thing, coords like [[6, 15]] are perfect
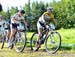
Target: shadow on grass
[[67, 48], [63, 47]]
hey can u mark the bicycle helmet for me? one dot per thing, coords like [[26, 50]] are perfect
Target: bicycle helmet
[[50, 8], [22, 11]]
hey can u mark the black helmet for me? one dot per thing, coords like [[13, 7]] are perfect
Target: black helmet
[[22, 11]]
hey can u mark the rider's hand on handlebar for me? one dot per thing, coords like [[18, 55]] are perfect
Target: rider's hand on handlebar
[[47, 27]]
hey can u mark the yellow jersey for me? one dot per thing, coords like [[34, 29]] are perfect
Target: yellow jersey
[[48, 16]]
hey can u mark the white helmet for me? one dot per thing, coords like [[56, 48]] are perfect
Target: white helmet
[[50, 8]]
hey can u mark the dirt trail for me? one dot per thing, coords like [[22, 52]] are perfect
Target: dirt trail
[[41, 53]]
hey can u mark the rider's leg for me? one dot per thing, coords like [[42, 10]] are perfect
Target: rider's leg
[[47, 30], [39, 37], [39, 27], [8, 34], [46, 34], [12, 33]]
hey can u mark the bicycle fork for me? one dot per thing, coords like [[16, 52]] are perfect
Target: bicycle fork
[[52, 37]]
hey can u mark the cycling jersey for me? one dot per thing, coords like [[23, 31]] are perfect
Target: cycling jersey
[[48, 17], [17, 18], [45, 19], [2, 26]]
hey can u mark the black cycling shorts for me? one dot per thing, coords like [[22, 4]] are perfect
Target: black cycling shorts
[[42, 24], [14, 25]]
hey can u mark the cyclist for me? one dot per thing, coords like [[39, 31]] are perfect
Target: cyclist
[[43, 23], [2, 26], [15, 20]]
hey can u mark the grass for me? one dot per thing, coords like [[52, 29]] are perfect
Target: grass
[[67, 49], [68, 36]]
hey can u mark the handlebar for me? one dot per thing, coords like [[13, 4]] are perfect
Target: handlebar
[[51, 27]]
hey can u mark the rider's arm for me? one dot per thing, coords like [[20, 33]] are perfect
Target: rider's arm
[[24, 21], [55, 22], [53, 19]]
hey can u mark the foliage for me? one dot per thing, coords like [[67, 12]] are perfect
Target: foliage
[[4, 14], [1, 8], [64, 12]]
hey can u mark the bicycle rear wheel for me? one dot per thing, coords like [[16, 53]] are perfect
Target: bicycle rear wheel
[[2, 40], [20, 41], [33, 42], [53, 42]]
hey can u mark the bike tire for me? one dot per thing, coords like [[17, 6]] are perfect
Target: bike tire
[[3, 41], [48, 42], [16, 44]]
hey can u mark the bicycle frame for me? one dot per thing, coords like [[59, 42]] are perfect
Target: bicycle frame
[[44, 32]]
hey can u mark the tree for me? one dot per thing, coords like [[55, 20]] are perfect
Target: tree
[[0, 7]]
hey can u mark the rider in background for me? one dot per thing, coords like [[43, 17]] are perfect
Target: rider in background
[[2, 25], [43, 22], [15, 20]]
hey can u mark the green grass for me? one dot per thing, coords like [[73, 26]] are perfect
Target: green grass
[[67, 49], [68, 36]]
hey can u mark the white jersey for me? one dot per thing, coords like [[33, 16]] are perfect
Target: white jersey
[[41, 19], [2, 27], [17, 18]]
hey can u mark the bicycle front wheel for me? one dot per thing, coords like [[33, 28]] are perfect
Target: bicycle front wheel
[[20, 41], [53, 42]]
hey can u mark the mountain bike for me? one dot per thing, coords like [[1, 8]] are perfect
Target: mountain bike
[[19, 40], [52, 41]]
